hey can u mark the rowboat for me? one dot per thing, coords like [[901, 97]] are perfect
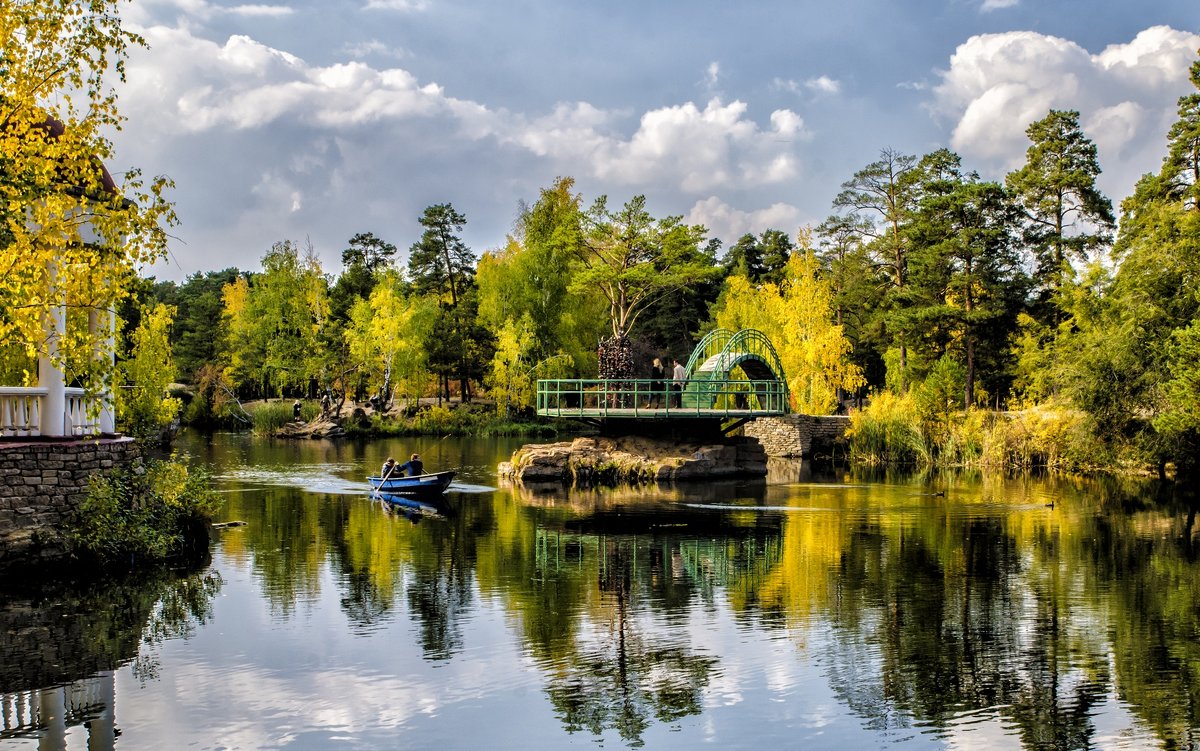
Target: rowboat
[[431, 484]]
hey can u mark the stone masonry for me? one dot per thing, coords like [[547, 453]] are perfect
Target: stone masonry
[[42, 484], [798, 435]]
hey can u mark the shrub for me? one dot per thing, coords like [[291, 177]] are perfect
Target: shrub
[[888, 431], [152, 512]]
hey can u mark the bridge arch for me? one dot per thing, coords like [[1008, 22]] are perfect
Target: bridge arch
[[723, 356]]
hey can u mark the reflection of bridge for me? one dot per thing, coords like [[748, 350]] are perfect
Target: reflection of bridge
[[729, 376]]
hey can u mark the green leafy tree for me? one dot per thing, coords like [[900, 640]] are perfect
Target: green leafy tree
[[634, 260], [745, 258], [1181, 168], [365, 258], [143, 405], [531, 277]]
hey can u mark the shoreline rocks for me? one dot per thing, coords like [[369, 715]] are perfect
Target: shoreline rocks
[[633, 459]]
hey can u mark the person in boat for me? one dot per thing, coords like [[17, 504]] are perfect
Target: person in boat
[[412, 467], [389, 469]]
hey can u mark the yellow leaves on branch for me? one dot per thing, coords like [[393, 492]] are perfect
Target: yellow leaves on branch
[[59, 208], [797, 316]]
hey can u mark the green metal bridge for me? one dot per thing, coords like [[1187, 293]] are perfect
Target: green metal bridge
[[729, 376]]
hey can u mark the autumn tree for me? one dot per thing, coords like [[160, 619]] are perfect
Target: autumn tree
[[69, 232], [142, 403], [797, 316], [275, 321]]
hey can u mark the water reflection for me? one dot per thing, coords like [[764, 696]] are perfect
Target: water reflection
[[60, 644], [832, 609]]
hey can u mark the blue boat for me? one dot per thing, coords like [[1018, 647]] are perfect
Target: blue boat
[[432, 484]]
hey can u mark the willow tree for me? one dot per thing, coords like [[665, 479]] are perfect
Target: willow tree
[[70, 234]]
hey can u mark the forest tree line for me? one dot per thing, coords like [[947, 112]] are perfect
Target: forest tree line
[[926, 283]]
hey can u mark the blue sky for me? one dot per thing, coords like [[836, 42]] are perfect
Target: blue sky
[[313, 121]]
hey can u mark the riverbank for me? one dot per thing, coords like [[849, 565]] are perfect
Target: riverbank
[[362, 420]]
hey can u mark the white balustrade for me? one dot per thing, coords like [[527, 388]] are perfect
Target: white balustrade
[[21, 411], [82, 417]]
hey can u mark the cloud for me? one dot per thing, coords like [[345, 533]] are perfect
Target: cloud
[[997, 84], [729, 223], [401, 5], [990, 5], [203, 10], [819, 85], [373, 48], [823, 84], [243, 84]]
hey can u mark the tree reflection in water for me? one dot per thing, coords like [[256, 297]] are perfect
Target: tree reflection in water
[[622, 677]]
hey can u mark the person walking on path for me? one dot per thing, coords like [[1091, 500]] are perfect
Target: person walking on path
[[678, 377]]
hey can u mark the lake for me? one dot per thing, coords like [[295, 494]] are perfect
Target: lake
[[820, 609]]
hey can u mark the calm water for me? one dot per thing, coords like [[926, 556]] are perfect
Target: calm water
[[807, 612]]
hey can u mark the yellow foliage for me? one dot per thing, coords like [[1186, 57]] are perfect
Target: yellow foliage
[[68, 234], [797, 316]]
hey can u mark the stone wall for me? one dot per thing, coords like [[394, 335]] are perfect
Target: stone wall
[[798, 435], [42, 484]]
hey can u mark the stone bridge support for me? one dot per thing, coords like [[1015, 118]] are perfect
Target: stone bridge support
[[799, 435]]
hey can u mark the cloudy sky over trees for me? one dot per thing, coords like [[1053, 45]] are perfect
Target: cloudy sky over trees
[[319, 119]]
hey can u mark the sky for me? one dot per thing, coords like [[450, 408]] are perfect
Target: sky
[[316, 120]]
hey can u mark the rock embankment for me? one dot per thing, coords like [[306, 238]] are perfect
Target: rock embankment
[[319, 428], [610, 461]]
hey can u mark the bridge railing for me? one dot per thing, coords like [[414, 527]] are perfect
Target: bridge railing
[[636, 397]]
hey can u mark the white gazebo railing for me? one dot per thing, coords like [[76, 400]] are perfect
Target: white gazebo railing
[[22, 411]]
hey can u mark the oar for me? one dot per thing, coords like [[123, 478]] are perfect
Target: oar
[[384, 479]]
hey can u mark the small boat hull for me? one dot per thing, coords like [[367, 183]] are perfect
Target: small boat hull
[[431, 484]]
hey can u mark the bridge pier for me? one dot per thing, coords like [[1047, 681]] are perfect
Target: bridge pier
[[799, 435]]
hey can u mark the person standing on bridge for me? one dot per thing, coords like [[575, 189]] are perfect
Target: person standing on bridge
[[678, 377], [658, 384]]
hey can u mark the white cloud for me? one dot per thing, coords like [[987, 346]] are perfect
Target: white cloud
[[373, 48], [711, 75], [997, 84], [990, 5], [141, 10], [729, 223], [260, 10], [818, 85], [823, 84], [402, 5], [244, 84]]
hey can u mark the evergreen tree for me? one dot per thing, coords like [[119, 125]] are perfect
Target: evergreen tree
[[1067, 218], [881, 198], [440, 261]]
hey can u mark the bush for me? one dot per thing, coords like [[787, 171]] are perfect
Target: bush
[[151, 512], [888, 431]]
